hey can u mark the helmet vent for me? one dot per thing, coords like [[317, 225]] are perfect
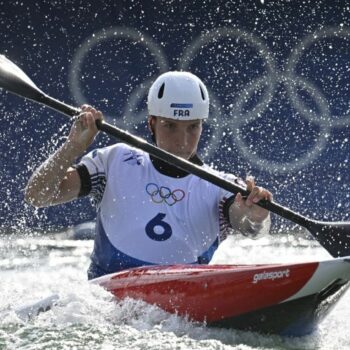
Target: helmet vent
[[161, 91], [202, 92]]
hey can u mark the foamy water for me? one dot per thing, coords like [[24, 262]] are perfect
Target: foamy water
[[87, 317]]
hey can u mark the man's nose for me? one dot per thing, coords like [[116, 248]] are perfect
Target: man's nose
[[183, 139]]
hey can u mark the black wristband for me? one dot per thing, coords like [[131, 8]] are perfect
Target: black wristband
[[85, 181]]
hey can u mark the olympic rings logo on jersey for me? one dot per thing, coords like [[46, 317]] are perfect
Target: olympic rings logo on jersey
[[268, 84], [164, 194]]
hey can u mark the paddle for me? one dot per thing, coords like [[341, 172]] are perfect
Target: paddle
[[333, 236]]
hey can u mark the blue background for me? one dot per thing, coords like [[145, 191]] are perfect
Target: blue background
[[278, 74]]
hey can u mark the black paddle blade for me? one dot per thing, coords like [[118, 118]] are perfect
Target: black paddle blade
[[13, 79], [334, 236]]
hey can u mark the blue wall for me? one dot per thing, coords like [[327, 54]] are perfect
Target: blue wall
[[278, 74]]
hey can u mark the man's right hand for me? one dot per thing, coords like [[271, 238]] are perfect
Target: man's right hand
[[55, 181], [84, 129]]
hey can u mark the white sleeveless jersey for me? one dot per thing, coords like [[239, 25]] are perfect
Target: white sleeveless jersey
[[146, 217]]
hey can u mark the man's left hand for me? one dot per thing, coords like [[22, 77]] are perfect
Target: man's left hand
[[248, 206]]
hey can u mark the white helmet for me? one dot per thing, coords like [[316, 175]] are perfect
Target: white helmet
[[178, 95]]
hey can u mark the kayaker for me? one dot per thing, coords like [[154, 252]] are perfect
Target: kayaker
[[149, 212]]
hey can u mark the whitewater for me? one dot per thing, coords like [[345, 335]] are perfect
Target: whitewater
[[36, 265]]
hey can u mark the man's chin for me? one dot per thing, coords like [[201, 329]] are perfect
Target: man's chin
[[183, 156]]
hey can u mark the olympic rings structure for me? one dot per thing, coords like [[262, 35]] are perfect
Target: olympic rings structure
[[164, 194], [269, 82]]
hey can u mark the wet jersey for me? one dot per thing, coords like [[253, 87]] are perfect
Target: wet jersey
[[145, 217]]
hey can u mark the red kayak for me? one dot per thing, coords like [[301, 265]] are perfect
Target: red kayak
[[287, 299]]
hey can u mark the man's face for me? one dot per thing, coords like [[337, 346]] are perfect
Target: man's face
[[179, 137]]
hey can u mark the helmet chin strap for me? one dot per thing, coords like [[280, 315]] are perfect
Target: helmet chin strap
[[150, 127], [153, 137]]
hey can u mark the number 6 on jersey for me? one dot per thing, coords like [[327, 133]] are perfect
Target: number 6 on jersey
[[157, 229]]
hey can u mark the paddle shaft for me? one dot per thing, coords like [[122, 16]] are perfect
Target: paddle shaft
[[13, 79], [174, 160], [333, 236]]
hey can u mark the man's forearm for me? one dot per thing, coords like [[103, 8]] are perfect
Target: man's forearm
[[45, 182]]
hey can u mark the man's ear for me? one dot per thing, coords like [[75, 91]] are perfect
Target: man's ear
[[150, 123]]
